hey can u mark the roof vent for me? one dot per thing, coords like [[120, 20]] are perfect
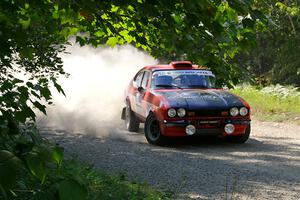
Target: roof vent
[[184, 64]]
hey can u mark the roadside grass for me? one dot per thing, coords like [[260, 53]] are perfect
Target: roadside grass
[[107, 187], [273, 103], [95, 185]]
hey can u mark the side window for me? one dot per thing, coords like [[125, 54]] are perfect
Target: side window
[[145, 79], [138, 79]]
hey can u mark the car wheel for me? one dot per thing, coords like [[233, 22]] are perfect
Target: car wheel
[[132, 123], [239, 139], [152, 131]]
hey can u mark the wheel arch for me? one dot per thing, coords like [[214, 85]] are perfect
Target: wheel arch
[[126, 101]]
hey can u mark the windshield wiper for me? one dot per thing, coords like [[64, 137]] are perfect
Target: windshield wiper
[[165, 85]]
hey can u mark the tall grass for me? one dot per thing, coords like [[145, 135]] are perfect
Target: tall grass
[[272, 103]]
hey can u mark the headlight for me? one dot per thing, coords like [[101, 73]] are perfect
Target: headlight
[[171, 112], [181, 112], [243, 111], [234, 111]]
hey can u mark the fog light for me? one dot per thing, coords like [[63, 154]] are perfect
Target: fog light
[[229, 128], [190, 129]]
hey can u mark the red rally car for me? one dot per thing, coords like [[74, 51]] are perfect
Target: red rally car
[[180, 99]]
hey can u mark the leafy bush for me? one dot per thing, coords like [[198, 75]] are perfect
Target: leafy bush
[[33, 168], [274, 102], [281, 91]]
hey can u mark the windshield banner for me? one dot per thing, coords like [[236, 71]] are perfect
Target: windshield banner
[[183, 72]]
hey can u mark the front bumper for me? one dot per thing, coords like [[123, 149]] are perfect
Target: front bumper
[[204, 126]]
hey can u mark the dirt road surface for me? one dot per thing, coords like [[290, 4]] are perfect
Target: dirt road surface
[[266, 167]]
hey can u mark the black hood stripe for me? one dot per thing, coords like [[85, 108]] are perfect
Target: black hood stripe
[[220, 96], [201, 99]]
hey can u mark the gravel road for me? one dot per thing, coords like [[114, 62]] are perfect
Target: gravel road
[[266, 167]]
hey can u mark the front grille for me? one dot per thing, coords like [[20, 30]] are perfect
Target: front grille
[[206, 123], [208, 113]]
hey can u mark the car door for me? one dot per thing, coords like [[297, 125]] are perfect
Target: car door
[[143, 103], [134, 97]]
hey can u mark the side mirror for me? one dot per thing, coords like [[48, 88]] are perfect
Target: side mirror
[[141, 89]]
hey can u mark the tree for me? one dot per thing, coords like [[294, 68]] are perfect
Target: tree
[[275, 59]]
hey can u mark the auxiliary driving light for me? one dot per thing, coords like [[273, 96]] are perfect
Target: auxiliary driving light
[[190, 129], [229, 128]]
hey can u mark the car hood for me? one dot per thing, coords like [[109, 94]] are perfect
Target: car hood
[[201, 99]]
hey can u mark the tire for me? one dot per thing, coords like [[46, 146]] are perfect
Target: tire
[[240, 139], [152, 131], [132, 123]]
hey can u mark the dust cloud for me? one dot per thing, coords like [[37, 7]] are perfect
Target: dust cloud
[[94, 89]]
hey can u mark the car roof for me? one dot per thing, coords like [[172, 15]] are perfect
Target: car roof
[[175, 65]]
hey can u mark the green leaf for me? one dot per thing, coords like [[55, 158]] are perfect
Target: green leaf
[[58, 154], [9, 165], [6, 85], [80, 40], [248, 23], [45, 92], [21, 116], [112, 41], [35, 94], [27, 52], [16, 81], [44, 195], [36, 165], [23, 145], [29, 112], [59, 88], [25, 22], [29, 84], [39, 106], [71, 190], [256, 14]]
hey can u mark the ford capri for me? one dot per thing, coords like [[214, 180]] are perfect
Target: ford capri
[[181, 99]]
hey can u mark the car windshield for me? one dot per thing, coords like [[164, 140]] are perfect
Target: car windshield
[[194, 78]]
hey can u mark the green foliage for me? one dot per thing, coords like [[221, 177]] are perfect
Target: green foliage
[[71, 190], [35, 169], [117, 187], [34, 33], [272, 103], [27, 162], [205, 32], [276, 59], [9, 165]]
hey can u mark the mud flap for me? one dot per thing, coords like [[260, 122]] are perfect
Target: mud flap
[[123, 115]]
